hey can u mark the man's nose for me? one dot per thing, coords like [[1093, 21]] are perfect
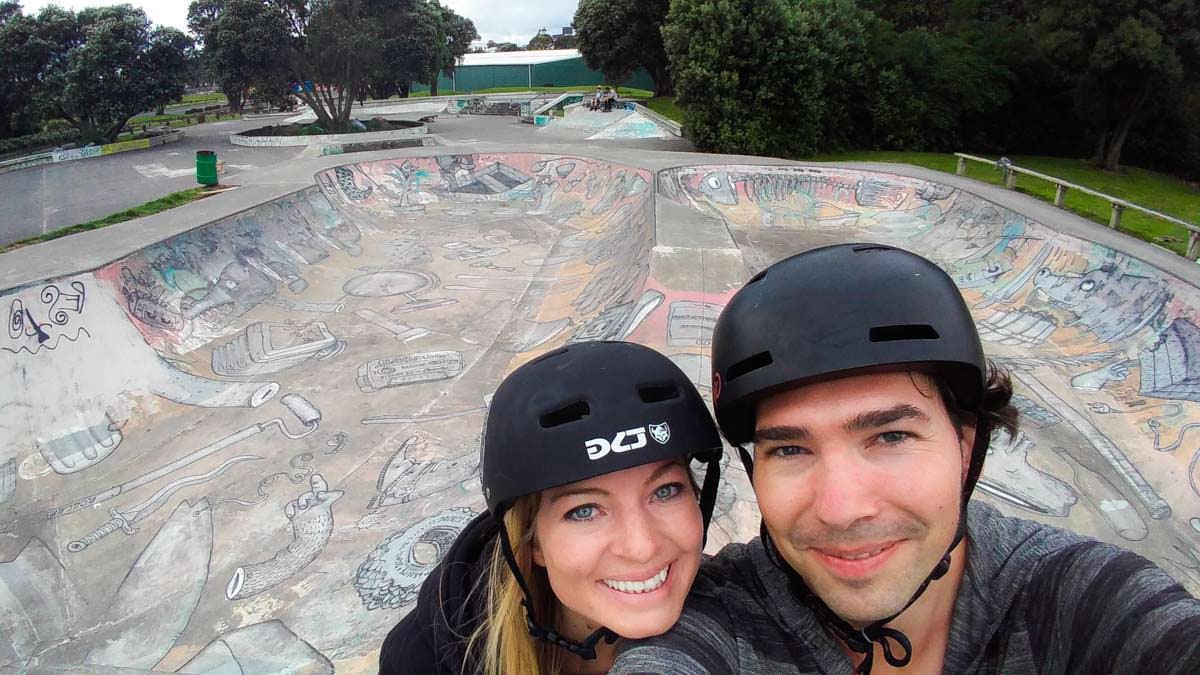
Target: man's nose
[[845, 490]]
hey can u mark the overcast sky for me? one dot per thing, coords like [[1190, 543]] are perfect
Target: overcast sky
[[506, 21]]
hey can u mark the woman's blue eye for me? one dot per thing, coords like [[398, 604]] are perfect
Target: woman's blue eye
[[585, 512], [668, 491]]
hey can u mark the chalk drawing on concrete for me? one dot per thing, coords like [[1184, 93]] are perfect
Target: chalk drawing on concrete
[[8, 479], [405, 479], [125, 520], [1110, 302], [156, 599], [268, 347], [1008, 476], [690, 323], [308, 415], [267, 647], [407, 284], [392, 574], [403, 332], [531, 335], [38, 603], [433, 417], [397, 371], [1170, 368], [311, 519], [1105, 498], [616, 323], [27, 332], [1116, 462], [82, 448]]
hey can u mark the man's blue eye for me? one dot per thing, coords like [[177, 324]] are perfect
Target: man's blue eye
[[893, 436], [789, 451], [585, 512]]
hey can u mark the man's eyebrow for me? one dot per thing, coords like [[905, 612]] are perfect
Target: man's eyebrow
[[781, 433], [873, 419]]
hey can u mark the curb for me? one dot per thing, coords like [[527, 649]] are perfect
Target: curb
[[57, 156]]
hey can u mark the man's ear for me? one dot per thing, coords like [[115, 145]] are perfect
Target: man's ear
[[966, 444]]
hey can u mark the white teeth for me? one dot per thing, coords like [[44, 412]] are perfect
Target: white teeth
[[646, 586], [861, 556]]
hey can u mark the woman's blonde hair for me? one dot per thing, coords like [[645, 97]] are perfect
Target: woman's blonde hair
[[502, 644]]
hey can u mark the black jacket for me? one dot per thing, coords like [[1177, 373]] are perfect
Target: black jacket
[[432, 638]]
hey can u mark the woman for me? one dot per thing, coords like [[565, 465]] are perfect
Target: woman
[[594, 527]]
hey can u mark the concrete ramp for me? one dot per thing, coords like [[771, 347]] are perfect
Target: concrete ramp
[[246, 446]]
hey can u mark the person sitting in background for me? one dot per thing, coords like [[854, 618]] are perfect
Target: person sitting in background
[[594, 103], [610, 97]]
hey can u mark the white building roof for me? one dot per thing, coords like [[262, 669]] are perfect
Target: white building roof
[[518, 58]]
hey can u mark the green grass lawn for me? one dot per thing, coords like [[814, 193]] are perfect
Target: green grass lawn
[[162, 204], [665, 106], [210, 97], [1151, 189]]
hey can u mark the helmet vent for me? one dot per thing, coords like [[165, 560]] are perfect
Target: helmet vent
[[654, 393], [746, 365], [903, 332], [566, 414]]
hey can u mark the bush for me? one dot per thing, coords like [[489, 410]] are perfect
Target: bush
[[37, 142], [771, 76]]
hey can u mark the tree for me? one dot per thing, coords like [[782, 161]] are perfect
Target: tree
[[23, 55], [108, 64], [460, 33], [565, 41], [617, 37], [1122, 56], [241, 39], [541, 41]]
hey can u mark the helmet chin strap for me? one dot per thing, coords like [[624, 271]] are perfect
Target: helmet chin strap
[[861, 640], [586, 650]]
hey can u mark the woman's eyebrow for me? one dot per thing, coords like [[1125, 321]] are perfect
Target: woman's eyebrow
[[575, 492]]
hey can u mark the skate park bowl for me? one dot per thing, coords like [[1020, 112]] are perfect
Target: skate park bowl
[[242, 448]]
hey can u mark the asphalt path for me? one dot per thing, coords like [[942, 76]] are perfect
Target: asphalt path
[[52, 196]]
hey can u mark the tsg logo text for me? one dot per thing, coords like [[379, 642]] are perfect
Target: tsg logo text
[[624, 441]]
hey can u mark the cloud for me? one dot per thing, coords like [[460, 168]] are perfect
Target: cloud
[[508, 21], [515, 20]]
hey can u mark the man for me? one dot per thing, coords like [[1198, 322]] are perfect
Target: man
[[856, 373]]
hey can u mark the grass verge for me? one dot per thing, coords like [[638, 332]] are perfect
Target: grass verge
[[162, 204], [210, 97], [665, 106], [1151, 189]]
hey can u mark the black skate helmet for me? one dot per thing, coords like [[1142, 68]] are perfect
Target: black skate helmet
[[586, 410], [837, 309], [830, 312]]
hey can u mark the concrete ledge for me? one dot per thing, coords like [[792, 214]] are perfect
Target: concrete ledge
[[88, 152], [662, 120], [287, 141]]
